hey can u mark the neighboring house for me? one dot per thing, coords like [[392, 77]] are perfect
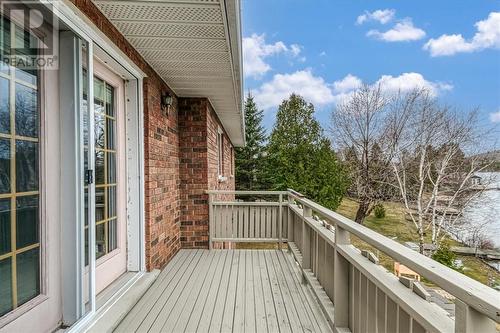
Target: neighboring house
[[475, 180], [166, 89]]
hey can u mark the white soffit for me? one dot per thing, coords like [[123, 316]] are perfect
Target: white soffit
[[194, 45]]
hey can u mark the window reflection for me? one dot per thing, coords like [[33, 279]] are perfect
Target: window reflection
[[26, 111], [4, 105], [26, 166]]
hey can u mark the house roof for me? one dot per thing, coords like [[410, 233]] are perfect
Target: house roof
[[194, 45]]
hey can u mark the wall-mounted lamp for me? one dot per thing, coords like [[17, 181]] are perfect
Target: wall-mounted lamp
[[166, 103]]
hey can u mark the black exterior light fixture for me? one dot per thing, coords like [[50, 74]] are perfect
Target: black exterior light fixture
[[166, 103]]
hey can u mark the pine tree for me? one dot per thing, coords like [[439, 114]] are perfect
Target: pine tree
[[301, 157], [250, 159]]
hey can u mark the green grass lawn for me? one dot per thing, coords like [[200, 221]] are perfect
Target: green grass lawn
[[395, 226]]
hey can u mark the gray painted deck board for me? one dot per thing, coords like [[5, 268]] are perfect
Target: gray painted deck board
[[227, 291], [135, 317]]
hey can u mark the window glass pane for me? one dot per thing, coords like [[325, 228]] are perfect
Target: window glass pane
[[27, 221], [112, 235], [86, 203], [99, 204], [28, 280], [99, 167], [100, 243], [29, 76], [26, 111], [99, 94], [5, 37], [4, 226], [85, 111], [5, 286], [4, 166], [26, 166], [3, 67], [4, 106], [100, 122], [112, 201], [86, 230], [111, 161], [110, 95], [110, 134]]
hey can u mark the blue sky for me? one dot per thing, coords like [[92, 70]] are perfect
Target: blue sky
[[323, 49]]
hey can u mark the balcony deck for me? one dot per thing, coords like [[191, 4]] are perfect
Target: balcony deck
[[228, 291]]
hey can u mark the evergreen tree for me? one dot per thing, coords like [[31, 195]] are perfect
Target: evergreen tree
[[301, 157], [250, 159]]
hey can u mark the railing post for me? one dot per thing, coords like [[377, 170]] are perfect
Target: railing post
[[469, 320], [289, 236], [341, 280], [306, 238], [280, 223], [210, 220]]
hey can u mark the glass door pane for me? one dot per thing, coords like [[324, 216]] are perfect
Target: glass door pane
[[105, 168], [19, 177]]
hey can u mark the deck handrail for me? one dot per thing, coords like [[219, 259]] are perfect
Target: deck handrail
[[475, 301], [463, 287]]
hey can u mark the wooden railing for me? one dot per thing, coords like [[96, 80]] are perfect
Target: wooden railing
[[240, 220], [365, 296]]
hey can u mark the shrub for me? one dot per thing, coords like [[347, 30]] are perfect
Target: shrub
[[379, 211], [445, 256]]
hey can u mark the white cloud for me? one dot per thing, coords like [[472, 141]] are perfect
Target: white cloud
[[408, 81], [487, 36], [295, 49], [347, 84], [344, 88], [313, 88], [401, 32], [495, 117], [322, 54], [255, 52], [382, 16]]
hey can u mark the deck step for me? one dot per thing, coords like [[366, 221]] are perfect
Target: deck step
[[114, 313]]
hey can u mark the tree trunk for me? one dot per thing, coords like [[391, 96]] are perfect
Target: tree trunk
[[421, 241], [363, 209]]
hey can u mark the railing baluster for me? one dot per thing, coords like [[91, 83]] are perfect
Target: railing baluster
[[306, 239], [341, 280], [280, 222], [210, 220], [290, 229], [469, 320]]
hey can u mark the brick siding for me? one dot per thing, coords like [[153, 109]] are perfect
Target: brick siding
[[198, 126]]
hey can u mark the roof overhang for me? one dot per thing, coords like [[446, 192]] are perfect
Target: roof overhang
[[194, 45]]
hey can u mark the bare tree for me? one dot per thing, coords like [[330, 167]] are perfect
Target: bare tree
[[360, 130], [433, 163]]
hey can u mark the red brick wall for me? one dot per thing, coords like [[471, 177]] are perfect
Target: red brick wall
[[198, 125], [180, 159], [213, 126], [162, 181]]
